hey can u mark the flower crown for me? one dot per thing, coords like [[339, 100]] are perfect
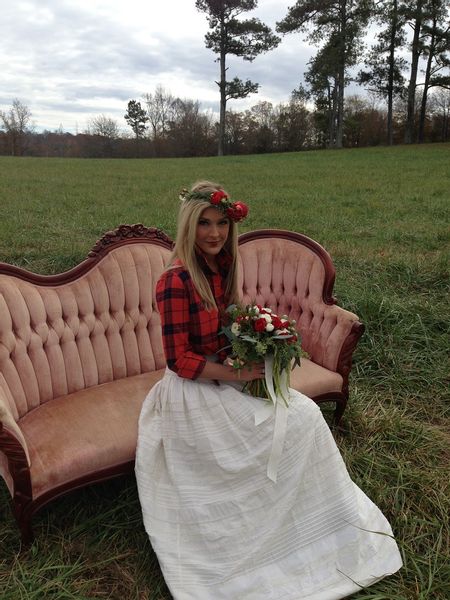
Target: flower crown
[[236, 211]]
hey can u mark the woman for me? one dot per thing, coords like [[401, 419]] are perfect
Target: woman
[[221, 528]]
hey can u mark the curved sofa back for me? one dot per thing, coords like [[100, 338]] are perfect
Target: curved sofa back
[[102, 326]]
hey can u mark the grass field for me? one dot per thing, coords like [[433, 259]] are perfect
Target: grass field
[[383, 214]]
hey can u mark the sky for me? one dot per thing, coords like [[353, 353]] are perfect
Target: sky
[[72, 60]]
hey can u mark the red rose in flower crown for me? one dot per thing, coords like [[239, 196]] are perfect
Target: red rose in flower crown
[[217, 197], [236, 211]]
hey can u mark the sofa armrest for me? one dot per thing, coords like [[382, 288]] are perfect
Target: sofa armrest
[[329, 335], [9, 430]]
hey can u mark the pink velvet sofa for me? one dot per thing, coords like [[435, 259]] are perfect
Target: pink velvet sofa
[[80, 350]]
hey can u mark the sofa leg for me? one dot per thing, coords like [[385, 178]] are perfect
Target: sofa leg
[[26, 532], [341, 403]]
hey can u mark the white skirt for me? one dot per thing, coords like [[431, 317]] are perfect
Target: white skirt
[[222, 530]]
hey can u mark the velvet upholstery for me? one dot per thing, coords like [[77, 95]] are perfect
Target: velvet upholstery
[[63, 339], [290, 278], [80, 350], [85, 431], [313, 380]]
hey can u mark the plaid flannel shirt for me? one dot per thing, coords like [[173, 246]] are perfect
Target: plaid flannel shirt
[[189, 331]]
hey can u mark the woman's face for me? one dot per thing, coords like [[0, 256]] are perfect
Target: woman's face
[[212, 231]]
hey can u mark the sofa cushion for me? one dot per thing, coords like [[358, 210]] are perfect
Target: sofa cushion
[[80, 433], [312, 380], [69, 437]]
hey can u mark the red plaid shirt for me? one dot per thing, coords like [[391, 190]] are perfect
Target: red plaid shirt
[[189, 331]]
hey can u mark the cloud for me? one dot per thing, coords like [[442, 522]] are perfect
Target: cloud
[[69, 60]]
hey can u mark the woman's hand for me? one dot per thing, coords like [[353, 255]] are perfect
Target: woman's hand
[[250, 372], [247, 372], [227, 372]]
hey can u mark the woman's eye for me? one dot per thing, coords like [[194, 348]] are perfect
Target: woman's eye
[[203, 222]]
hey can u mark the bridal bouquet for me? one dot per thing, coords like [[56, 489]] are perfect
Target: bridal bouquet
[[257, 334]]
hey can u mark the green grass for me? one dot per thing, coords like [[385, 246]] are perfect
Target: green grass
[[383, 214]]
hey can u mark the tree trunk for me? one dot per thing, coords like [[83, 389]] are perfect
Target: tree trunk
[[426, 85], [223, 90], [394, 24], [340, 108], [341, 77], [409, 131]]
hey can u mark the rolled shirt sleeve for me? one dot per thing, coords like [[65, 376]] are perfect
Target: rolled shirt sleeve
[[175, 309]]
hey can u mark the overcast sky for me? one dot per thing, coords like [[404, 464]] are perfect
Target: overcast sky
[[70, 60]]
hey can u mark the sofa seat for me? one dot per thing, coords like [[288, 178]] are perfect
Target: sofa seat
[[84, 432], [313, 380]]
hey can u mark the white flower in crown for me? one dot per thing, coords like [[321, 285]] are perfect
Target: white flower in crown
[[269, 327], [235, 329]]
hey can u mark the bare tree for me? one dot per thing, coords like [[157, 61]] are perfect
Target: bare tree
[[440, 110], [16, 123], [160, 106], [104, 126]]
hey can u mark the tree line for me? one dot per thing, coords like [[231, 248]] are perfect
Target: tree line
[[398, 108]]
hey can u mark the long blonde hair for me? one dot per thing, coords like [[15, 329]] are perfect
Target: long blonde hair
[[188, 217]]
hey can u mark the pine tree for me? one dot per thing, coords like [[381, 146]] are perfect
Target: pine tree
[[136, 117], [229, 35], [337, 26]]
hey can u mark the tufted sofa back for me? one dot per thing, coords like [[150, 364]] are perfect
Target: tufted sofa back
[[294, 276], [56, 339], [98, 322]]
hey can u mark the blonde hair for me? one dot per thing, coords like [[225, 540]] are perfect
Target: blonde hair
[[188, 217]]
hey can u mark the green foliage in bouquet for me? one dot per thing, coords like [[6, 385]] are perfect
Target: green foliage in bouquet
[[256, 332]]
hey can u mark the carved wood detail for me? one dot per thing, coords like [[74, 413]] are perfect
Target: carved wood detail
[[20, 474], [127, 233], [345, 357]]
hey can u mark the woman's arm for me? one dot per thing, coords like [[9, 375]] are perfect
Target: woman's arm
[[173, 304]]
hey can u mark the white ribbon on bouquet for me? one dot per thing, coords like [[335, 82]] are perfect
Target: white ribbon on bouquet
[[267, 409]]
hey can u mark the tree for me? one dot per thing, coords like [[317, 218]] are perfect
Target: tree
[[229, 35], [190, 129], [159, 111], [104, 126], [384, 67], [341, 24], [436, 46], [440, 107], [103, 132], [136, 117], [414, 12], [16, 125], [322, 76], [293, 124]]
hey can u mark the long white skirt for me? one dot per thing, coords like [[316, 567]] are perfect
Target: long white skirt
[[222, 530]]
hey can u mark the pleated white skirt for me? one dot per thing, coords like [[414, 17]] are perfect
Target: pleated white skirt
[[222, 530]]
